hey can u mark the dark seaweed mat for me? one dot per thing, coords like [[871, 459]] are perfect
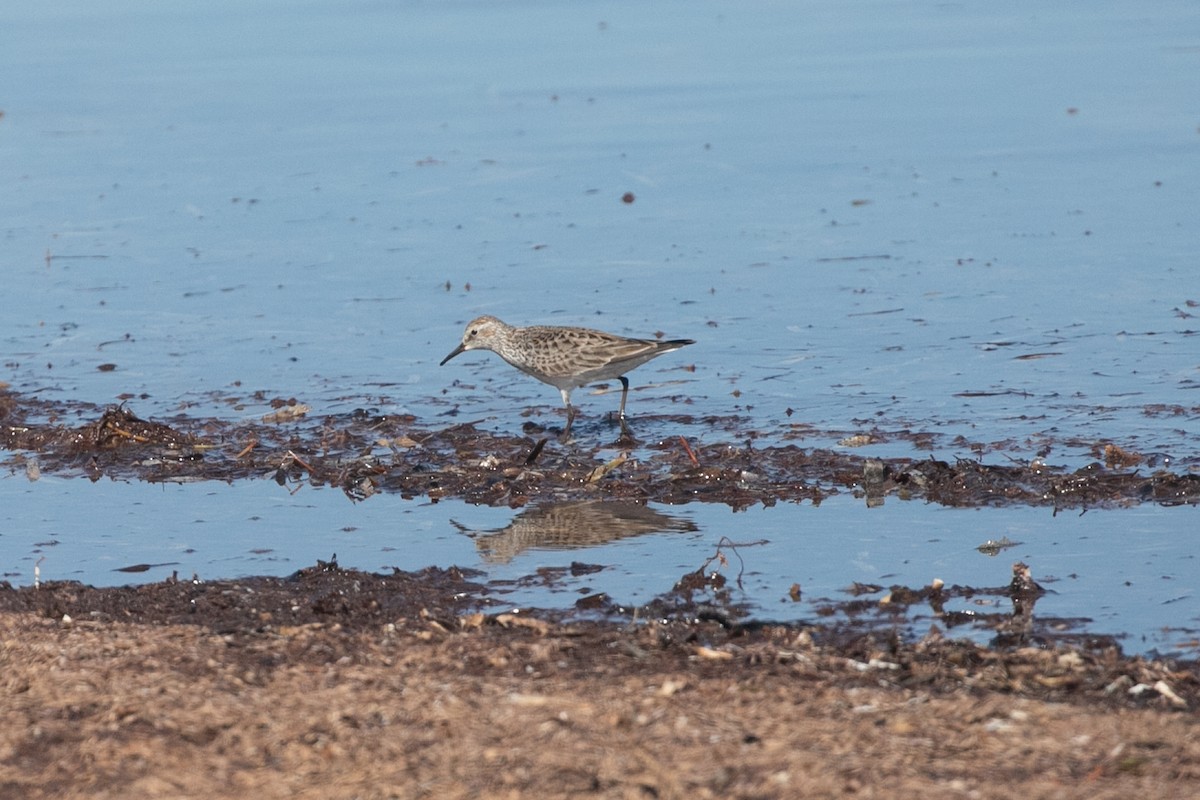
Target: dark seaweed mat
[[363, 452], [336, 606]]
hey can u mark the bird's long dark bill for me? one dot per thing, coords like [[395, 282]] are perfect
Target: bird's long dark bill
[[453, 353]]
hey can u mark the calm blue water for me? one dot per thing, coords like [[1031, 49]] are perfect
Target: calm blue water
[[966, 220], [1132, 572]]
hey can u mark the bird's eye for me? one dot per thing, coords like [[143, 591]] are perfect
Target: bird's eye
[[474, 333]]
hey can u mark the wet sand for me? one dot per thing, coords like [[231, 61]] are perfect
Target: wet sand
[[343, 684]]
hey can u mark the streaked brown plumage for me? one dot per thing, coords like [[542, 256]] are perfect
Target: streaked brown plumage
[[565, 357]]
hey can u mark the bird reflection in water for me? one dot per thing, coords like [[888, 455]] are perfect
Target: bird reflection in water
[[566, 526]]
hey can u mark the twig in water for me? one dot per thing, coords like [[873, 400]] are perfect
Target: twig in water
[[731, 545], [602, 470], [129, 435], [688, 450], [301, 462], [536, 451]]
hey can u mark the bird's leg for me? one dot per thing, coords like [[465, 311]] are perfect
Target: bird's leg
[[566, 434], [624, 394]]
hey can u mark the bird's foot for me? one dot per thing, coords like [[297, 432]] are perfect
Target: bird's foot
[[626, 439]]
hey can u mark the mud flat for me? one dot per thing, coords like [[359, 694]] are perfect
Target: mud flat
[[340, 683], [344, 684], [364, 453]]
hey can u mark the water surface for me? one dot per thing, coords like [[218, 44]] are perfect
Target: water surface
[[976, 222]]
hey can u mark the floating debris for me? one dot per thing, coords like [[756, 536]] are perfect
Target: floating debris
[[993, 547], [482, 467]]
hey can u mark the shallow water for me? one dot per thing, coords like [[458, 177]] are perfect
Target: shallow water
[[974, 222], [1132, 571]]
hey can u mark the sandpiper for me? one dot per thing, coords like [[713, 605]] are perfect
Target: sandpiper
[[565, 357]]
